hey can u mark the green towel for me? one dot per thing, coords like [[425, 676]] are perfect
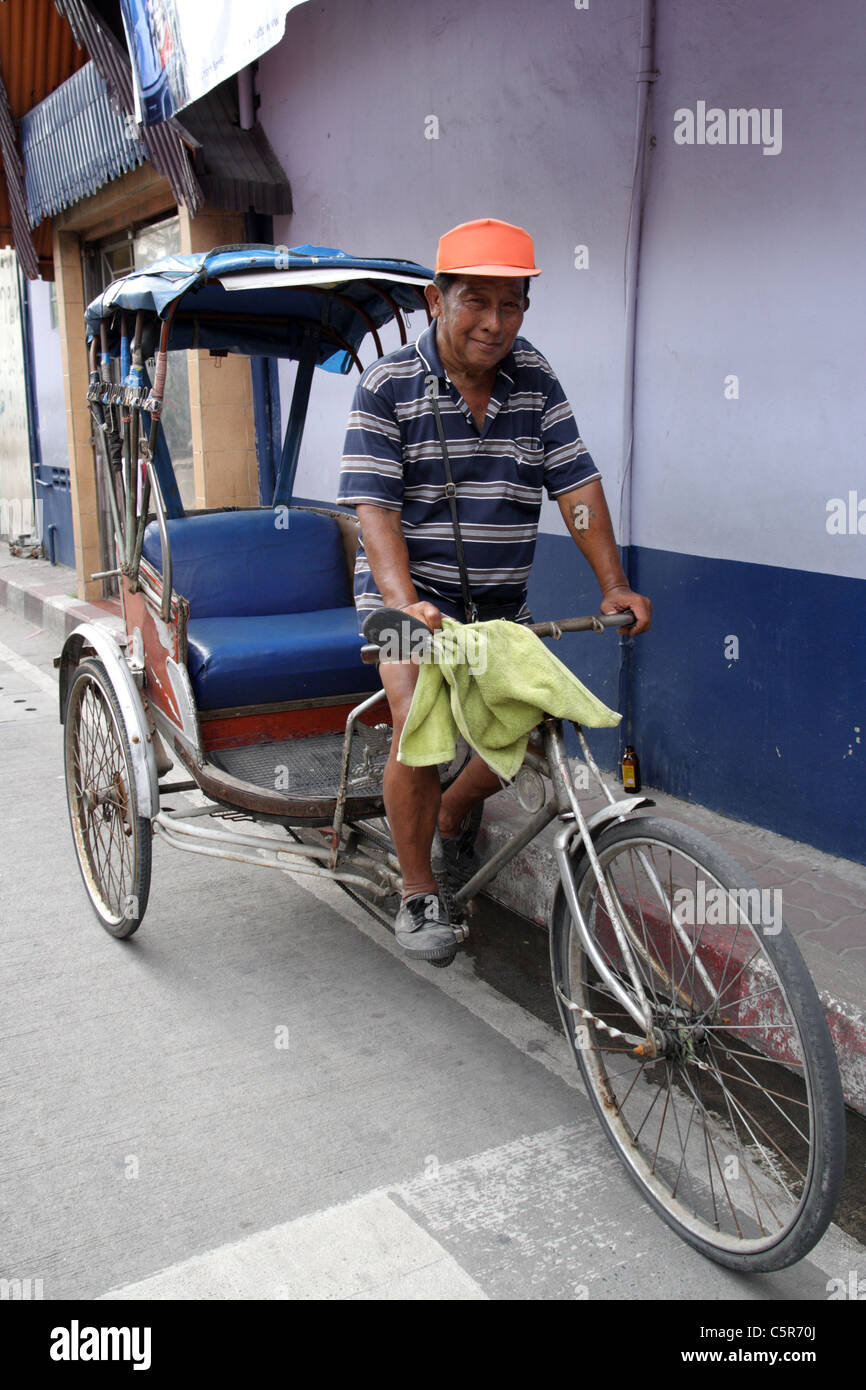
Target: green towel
[[491, 682]]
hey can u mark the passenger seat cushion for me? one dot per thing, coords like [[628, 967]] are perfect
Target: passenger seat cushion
[[254, 563], [272, 658]]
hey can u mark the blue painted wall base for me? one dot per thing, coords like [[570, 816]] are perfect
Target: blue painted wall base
[[775, 737]]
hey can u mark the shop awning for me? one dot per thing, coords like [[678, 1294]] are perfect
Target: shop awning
[[73, 143]]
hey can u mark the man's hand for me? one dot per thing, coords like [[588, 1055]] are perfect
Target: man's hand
[[427, 612], [621, 597]]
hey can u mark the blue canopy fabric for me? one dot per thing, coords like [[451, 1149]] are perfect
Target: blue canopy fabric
[[265, 315]]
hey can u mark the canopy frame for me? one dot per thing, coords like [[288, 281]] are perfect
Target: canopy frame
[[314, 305]]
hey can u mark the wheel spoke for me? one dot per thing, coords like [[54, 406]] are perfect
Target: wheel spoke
[[731, 1100]]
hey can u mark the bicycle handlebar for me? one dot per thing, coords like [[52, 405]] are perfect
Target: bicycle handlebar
[[595, 622]]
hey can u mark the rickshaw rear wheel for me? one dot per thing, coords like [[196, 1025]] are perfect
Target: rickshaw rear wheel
[[113, 842]]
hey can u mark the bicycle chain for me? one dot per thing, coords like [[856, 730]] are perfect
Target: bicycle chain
[[640, 1043], [599, 1022]]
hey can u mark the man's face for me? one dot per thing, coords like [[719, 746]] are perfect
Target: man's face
[[477, 320]]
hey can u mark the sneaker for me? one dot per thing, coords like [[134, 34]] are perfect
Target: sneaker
[[423, 929]]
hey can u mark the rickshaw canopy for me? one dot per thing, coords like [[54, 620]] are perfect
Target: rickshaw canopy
[[261, 301]]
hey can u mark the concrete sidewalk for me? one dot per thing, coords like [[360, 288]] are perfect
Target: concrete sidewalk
[[824, 898], [45, 595]]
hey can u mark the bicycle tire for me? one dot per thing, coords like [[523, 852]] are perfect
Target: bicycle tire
[[113, 843], [761, 1203]]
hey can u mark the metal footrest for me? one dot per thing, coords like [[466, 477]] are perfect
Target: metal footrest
[[310, 767]]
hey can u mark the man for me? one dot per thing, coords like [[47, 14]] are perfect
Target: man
[[509, 432]]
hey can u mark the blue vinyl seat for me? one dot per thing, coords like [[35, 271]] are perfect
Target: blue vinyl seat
[[271, 616]]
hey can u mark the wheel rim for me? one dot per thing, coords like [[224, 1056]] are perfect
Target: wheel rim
[[719, 1129], [102, 802]]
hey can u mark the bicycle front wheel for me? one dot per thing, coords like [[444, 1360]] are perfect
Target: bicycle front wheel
[[112, 841], [732, 1125]]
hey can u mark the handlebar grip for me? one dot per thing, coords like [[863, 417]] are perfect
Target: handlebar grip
[[594, 623]]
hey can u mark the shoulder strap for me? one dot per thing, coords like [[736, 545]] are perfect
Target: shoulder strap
[[431, 390]]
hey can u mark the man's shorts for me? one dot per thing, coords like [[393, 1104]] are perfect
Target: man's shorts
[[513, 612]]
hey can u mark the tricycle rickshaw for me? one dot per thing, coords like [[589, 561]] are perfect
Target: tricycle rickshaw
[[695, 1026]]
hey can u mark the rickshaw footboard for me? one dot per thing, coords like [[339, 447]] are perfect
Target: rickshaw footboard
[[310, 767]]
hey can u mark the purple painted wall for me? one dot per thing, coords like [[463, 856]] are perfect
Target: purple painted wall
[[535, 112], [754, 266], [748, 483]]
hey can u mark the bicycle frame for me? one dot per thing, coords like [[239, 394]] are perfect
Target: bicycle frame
[[566, 805], [350, 861]]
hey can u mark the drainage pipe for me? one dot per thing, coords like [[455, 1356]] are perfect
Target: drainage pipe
[[646, 75]]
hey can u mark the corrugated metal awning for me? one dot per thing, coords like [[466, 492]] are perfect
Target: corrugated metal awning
[[37, 52], [15, 190], [73, 143], [165, 148], [237, 168]]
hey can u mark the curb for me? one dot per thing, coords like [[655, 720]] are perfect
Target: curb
[[33, 590]]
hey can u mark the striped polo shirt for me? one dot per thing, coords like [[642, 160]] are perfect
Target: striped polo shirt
[[393, 459]]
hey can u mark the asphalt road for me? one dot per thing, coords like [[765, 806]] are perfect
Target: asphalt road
[[258, 1097]]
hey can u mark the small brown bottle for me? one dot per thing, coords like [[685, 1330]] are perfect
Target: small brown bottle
[[630, 770]]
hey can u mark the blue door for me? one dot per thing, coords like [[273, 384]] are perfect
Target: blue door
[[54, 494]]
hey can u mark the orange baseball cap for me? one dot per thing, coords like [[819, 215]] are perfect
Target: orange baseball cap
[[486, 247]]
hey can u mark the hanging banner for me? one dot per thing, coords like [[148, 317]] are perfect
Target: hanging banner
[[180, 49]]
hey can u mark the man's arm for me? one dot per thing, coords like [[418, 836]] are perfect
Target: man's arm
[[385, 548], [585, 512], [371, 480]]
